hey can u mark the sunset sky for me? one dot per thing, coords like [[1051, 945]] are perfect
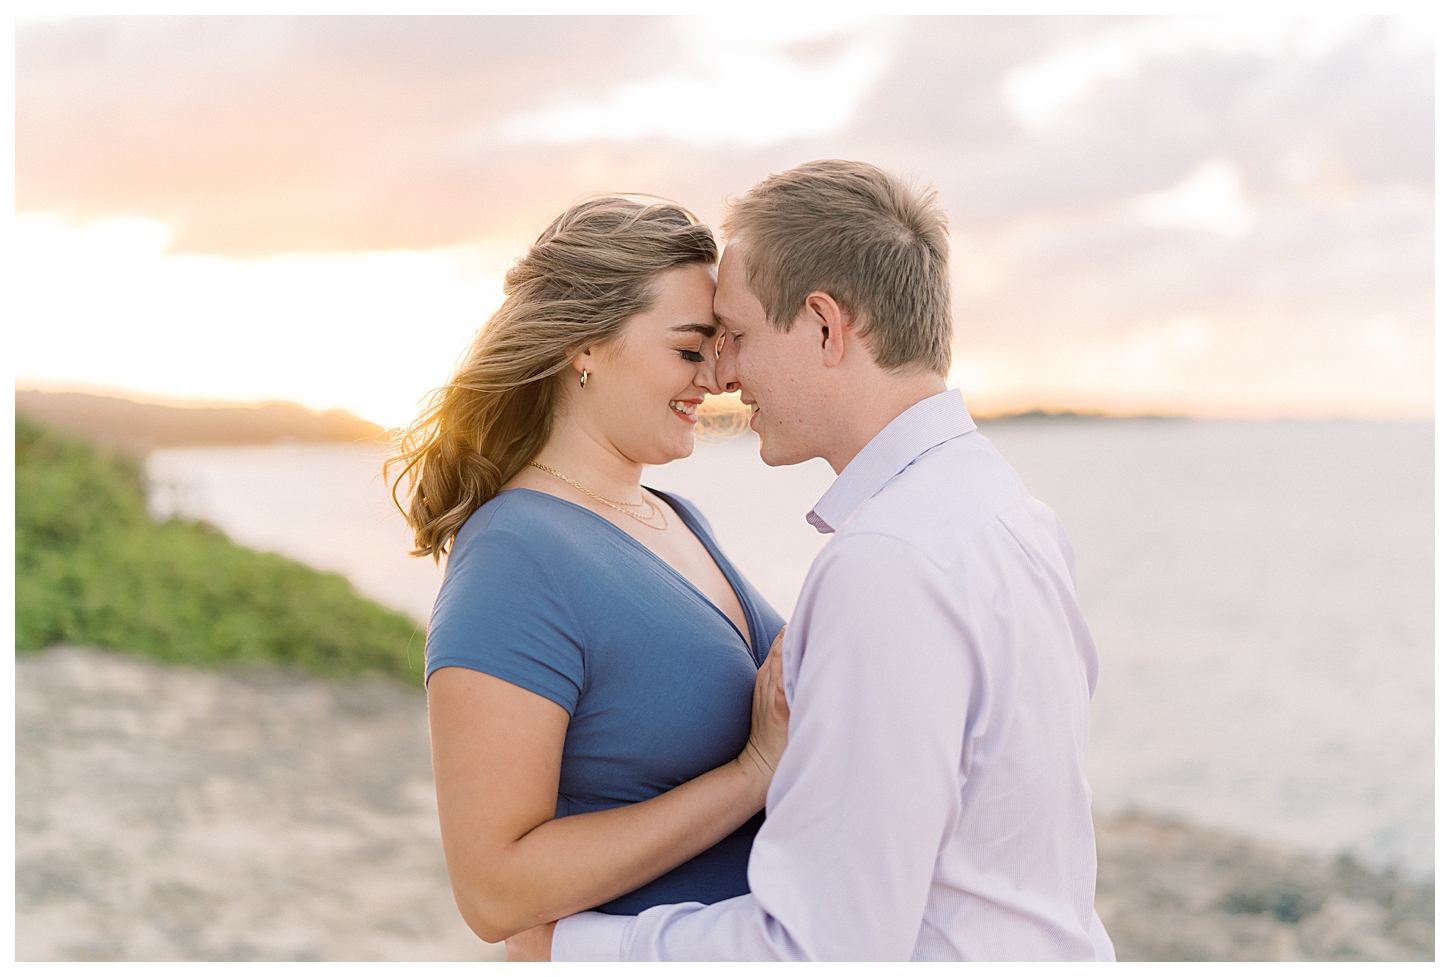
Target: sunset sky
[[1222, 217]]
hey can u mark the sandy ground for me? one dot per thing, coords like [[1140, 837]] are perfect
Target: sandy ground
[[171, 814]]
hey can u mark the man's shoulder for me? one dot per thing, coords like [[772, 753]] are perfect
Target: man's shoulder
[[942, 500]]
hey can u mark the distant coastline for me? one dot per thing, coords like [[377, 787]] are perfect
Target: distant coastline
[[138, 428], [1032, 416], [1073, 415]]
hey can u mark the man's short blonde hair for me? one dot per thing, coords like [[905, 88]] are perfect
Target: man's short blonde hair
[[876, 245]]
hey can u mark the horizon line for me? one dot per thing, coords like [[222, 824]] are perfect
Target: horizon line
[[1055, 412]]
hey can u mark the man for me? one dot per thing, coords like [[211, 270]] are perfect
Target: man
[[931, 804]]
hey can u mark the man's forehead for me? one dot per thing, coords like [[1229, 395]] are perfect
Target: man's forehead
[[732, 263], [727, 316], [729, 285], [724, 301]]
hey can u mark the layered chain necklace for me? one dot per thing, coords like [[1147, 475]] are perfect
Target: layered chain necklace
[[654, 511]]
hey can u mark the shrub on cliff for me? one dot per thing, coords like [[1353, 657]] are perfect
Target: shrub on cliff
[[91, 568]]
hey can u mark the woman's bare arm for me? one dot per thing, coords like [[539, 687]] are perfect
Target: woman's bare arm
[[497, 749]]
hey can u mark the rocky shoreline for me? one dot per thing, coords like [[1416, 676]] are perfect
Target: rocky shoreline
[[1172, 891], [172, 814]]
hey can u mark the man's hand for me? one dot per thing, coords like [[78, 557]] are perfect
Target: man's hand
[[532, 945]]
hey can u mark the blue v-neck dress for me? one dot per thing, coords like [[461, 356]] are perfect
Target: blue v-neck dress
[[657, 681]]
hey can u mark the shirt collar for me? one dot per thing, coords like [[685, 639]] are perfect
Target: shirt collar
[[916, 430]]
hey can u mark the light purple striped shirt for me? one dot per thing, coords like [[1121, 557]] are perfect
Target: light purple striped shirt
[[932, 802]]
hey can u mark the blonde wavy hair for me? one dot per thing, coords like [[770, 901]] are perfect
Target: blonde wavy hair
[[591, 269]]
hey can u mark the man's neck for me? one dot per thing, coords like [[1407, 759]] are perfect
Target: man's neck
[[873, 405]]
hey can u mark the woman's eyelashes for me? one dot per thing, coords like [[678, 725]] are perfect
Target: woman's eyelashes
[[693, 355]]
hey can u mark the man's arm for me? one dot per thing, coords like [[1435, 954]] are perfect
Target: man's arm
[[866, 789]]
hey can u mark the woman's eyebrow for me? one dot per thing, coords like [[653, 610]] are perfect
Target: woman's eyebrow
[[704, 329]]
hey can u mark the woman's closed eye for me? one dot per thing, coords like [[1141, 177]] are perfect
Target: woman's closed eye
[[693, 355]]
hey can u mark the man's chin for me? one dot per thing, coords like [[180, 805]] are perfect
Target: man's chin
[[774, 457]]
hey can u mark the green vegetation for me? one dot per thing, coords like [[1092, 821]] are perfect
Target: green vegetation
[[91, 568]]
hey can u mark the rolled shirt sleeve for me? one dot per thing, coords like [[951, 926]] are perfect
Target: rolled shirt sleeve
[[878, 675]]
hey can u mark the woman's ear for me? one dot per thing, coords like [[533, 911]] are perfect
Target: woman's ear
[[583, 360]]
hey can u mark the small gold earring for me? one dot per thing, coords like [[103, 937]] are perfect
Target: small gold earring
[[583, 378]]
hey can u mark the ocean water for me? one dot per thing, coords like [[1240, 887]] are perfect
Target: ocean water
[[1261, 594]]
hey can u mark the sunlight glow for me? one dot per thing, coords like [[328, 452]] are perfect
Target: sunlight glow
[[370, 333]]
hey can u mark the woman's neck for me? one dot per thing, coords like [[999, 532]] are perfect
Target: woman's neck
[[589, 459]]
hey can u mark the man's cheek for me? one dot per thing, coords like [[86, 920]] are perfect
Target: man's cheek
[[744, 371]]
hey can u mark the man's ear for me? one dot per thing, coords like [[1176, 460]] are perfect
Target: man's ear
[[831, 321]]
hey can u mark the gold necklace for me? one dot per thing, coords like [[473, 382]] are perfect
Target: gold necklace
[[655, 512]]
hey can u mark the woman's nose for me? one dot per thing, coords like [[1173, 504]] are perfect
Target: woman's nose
[[707, 376], [724, 366]]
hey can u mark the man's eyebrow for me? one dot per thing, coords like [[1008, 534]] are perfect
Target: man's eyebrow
[[704, 329]]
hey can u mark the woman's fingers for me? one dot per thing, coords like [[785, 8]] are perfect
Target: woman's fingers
[[767, 676], [778, 704], [769, 683], [775, 674], [770, 716], [775, 662]]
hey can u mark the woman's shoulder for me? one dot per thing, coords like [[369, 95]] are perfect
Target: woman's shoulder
[[504, 607], [516, 542], [510, 558], [516, 515]]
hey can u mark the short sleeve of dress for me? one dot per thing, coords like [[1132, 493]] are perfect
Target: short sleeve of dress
[[501, 611]]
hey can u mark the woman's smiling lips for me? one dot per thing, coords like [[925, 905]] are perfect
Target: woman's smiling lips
[[685, 409]]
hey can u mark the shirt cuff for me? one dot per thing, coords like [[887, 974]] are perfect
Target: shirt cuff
[[592, 937]]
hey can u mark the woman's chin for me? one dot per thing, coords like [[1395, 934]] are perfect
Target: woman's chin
[[684, 447], [668, 451], [677, 453]]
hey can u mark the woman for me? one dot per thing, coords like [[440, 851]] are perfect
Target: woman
[[601, 735]]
